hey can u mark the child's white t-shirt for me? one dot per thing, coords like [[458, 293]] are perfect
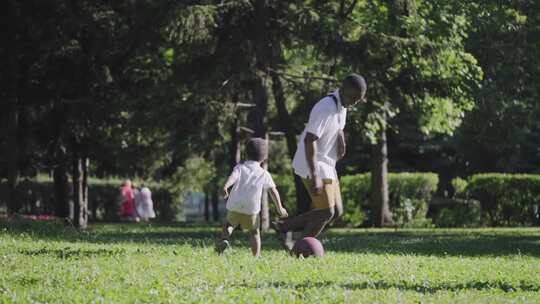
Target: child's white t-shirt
[[250, 182]]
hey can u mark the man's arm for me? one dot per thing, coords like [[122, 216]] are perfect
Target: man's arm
[[341, 145], [311, 152]]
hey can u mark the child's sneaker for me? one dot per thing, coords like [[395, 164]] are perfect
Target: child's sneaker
[[222, 245]]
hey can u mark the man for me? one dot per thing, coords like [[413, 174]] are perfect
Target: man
[[321, 145]]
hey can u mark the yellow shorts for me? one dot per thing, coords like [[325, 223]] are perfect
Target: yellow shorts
[[245, 221], [329, 196]]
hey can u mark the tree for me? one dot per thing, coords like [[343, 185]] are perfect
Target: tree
[[501, 38], [12, 22], [65, 79], [410, 65]]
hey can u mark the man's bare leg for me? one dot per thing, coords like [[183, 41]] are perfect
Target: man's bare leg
[[315, 227], [311, 222]]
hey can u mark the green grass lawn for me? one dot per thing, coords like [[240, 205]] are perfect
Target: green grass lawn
[[173, 264]]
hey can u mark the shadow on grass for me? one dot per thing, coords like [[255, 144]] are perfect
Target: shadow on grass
[[470, 242], [67, 253], [425, 288]]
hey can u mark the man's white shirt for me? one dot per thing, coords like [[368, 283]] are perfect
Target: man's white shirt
[[250, 180], [326, 120]]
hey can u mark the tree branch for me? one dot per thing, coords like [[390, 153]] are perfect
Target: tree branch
[[305, 77], [351, 8]]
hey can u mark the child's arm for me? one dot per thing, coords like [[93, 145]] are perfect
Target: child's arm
[[274, 194], [233, 178]]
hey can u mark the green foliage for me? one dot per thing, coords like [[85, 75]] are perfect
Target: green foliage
[[410, 194], [285, 186], [195, 176], [177, 264], [414, 62], [148, 84], [496, 134], [355, 193], [460, 187], [506, 199], [458, 210], [193, 25], [456, 213]]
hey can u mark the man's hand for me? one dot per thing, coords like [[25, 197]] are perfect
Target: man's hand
[[317, 186], [225, 192]]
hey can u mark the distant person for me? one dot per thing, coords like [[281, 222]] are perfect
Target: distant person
[[127, 207], [144, 204], [136, 196], [320, 146], [248, 180]]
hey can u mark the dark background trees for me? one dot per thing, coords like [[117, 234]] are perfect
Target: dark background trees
[[137, 88]]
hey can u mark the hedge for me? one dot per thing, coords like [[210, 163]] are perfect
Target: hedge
[[482, 200], [456, 212], [409, 194], [506, 199]]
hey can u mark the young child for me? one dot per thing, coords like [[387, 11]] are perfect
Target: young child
[[249, 180]]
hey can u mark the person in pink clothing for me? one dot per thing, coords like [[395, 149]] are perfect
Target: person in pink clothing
[[127, 210]]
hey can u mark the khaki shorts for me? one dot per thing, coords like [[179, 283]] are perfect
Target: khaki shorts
[[245, 221], [330, 195]]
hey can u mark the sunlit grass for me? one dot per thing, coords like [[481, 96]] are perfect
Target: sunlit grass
[[172, 264]]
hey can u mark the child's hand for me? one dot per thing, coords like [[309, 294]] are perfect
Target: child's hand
[[225, 192], [283, 212]]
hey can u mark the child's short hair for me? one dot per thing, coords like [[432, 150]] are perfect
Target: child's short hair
[[256, 149]]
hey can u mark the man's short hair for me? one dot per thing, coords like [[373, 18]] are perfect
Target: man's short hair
[[257, 149], [355, 81]]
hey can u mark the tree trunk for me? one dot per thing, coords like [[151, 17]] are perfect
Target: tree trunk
[[380, 209], [260, 89], [381, 215], [265, 210], [61, 184], [12, 108], [235, 143], [285, 121], [79, 189], [86, 165]]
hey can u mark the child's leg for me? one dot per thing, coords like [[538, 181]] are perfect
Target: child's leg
[[255, 239]]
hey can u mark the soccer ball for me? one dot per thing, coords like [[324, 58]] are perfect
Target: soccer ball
[[308, 246]]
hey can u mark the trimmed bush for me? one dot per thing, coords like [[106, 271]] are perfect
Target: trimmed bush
[[355, 193], [454, 212], [458, 210], [409, 197], [507, 199], [460, 187]]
